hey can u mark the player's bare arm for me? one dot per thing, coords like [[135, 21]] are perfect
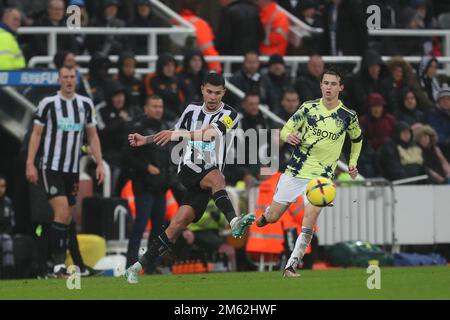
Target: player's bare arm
[[163, 137], [33, 146], [94, 143]]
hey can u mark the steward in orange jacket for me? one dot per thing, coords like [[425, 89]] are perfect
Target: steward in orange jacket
[[205, 37], [276, 25]]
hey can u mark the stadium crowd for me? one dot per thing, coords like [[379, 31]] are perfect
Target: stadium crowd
[[404, 109]]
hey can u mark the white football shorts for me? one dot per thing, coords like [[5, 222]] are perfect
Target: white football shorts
[[289, 189]]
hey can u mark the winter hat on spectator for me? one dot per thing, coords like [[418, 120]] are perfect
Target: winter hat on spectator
[[417, 3], [444, 92], [276, 58], [425, 129], [375, 99], [79, 3], [107, 3]]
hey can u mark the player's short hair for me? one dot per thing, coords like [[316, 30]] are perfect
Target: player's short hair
[[2, 177], [214, 79], [332, 72], [70, 68]]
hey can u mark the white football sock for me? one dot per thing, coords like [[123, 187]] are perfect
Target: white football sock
[[137, 266], [301, 244]]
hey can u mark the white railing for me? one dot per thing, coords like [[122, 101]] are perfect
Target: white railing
[[292, 61]]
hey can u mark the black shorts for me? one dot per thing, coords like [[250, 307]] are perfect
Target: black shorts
[[60, 184], [195, 197]]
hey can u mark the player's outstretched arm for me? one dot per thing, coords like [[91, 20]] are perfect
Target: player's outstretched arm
[[137, 140], [163, 137]]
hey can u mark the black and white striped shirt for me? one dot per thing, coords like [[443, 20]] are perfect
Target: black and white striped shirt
[[202, 155], [65, 121]]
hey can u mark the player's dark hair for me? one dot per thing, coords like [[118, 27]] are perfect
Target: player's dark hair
[[332, 72], [214, 79], [59, 58]]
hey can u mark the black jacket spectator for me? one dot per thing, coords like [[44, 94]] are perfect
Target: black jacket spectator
[[308, 79], [113, 122], [250, 79], [164, 83], [107, 44], [126, 76], [408, 111], [369, 79], [351, 30], [191, 76], [439, 119], [138, 159], [144, 18], [279, 80], [240, 29], [98, 76], [400, 157], [428, 81]]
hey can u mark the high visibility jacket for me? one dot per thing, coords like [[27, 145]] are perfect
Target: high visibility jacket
[[276, 25], [11, 56], [270, 238], [205, 37], [171, 205]]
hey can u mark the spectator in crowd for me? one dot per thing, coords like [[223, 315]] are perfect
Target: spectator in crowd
[[11, 56], [310, 14], [98, 76], [377, 125], [276, 25], [345, 29], [164, 83], [7, 219], [144, 18], [408, 111], [203, 32], [279, 80], [150, 175], [408, 18], [400, 157], [290, 102], [401, 77], [434, 161], [439, 119], [29, 9], [368, 162], [107, 44], [250, 79], [113, 120], [370, 78], [80, 38], [191, 76], [127, 77], [308, 81], [240, 29], [293, 6], [428, 79], [252, 119], [54, 17]]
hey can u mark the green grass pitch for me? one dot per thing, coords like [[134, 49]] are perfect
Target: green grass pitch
[[396, 283]]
